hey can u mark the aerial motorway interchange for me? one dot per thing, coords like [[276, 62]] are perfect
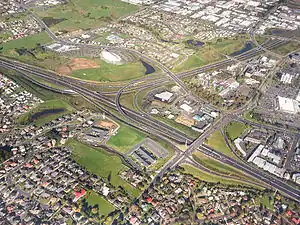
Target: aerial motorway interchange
[[134, 111]]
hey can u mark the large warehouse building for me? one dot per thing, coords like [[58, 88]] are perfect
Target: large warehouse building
[[288, 105]]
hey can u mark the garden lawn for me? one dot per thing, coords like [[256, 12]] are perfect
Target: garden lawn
[[57, 104], [235, 129], [102, 164], [126, 138], [104, 206], [85, 14], [111, 72], [217, 142]]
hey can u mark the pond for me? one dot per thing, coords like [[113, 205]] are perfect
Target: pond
[[173, 42], [5, 148], [149, 69], [248, 46], [46, 112], [195, 43]]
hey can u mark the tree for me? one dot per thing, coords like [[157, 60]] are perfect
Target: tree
[[109, 177]]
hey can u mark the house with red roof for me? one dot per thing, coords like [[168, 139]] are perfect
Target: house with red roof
[[289, 213], [133, 220], [28, 165], [79, 194], [296, 221], [149, 199]]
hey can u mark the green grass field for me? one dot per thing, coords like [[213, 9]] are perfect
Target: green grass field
[[41, 120], [111, 72], [45, 59], [287, 48], [178, 126], [212, 51], [85, 14], [206, 55], [235, 129], [102, 164], [213, 178], [261, 39], [230, 45], [27, 42], [104, 206], [127, 100], [217, 142], [49, 84], [264, 200], [217, 166], [249, 116], [125, 139]]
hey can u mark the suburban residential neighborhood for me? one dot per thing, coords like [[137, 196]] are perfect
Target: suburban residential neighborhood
[[149, 112]]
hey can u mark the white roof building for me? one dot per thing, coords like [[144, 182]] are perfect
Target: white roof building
[[164, 96], [256, 152], [286, 78], [187, 108], [240, 145], [288, 105], [296, 177], [110, 57]]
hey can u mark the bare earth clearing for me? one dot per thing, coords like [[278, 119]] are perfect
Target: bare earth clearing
[[76, 64]]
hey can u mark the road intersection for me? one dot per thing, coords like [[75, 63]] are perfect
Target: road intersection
[[149, 125]]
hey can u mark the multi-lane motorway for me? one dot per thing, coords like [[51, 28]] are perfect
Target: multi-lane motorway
[[155, 127], [143, 122]]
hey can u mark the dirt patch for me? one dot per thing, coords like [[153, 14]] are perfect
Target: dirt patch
[[76, 64]]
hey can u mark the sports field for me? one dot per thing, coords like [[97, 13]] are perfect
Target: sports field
[[126, 138], [101, 163], [110, 72], [85, 14]]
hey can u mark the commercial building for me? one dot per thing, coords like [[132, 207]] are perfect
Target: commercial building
[[110, 57], [164, 96], [288, 105], [240, 145]]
